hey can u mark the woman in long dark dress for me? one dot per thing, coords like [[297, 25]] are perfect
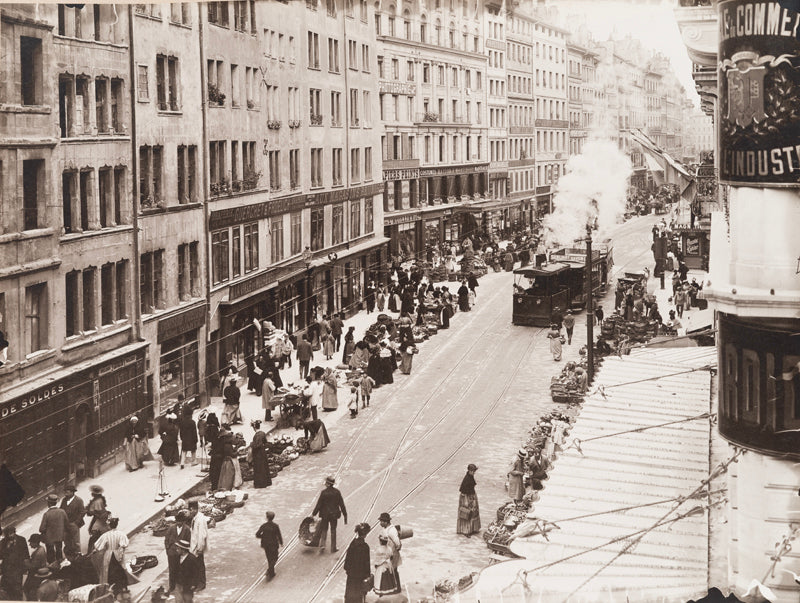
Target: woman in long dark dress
[[374, 369], [261, 476], [463, 297], [469, 517], [267, 364], [349, 345], [386, 363], [356, 566], [169, 442]]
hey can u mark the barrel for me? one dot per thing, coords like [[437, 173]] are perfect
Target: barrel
[[404, 533]]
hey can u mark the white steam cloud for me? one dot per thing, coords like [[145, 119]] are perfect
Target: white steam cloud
[[595, 186]]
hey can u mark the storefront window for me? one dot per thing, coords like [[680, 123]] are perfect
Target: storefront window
[[407, 240], [178, 369], [337, 226], [219, 256], [317, 229], [432, 233], [369, 225]]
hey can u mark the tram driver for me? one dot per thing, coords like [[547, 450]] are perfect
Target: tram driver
[[529, 290]]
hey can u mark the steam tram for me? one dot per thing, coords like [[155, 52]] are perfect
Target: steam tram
[[558, 285]]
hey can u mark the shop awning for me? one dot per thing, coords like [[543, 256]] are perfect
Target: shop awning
[[352, 250], [66, 371]]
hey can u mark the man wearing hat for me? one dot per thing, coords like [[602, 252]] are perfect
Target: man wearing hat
[[54, 528], [13, 555], [179, 531], [48, 586], [329, 507], [37, 561], [569, 325], [186, 574], [74, 507]]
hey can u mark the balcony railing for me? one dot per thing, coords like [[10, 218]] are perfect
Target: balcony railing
[[430, 116]]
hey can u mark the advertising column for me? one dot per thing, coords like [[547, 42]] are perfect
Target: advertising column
[[757, 295]]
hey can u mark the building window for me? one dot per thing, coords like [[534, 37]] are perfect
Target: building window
[[316, 167], [336, 166], [89, 319], [365, 58], [250, 247], [355, 219], [36, 317], [352, 54], [107, 292], [218, 13], [151, 175], [296, 241], [31, 70], [336, 115], [151, 281], [367, 163], [276, 233], [274, 170], [315, 107], [294, 168], [106, 204], [32, 192], [337, 224], [167, 84], [240, 15], [317, 228], [313, 50], [355, 165], [369, 225], [333, 55], [72, 304], [187, 173], [331, 6], [367, 109], [188, 270], [220, 250], [142, 84], [410, 71], [235, 88], [179, 13], [217, 166], [236, 252], [354, 108]]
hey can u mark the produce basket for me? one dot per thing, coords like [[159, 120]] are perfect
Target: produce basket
[[501, 543], [308, 531]]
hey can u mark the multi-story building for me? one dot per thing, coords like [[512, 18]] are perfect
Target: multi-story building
[[495, 44], [521, 107], [168, 146], [293, 139], [67, 248], [579, 72], [754, 288], [552, 118], [433, 104], [699, 135]]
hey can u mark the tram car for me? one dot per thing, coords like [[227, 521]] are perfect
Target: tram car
[[559, 284]]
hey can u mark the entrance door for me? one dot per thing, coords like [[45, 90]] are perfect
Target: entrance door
[[78, 431]]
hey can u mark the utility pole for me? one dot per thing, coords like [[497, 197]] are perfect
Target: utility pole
[[589, 305]]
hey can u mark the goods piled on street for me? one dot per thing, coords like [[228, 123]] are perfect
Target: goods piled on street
[[571, 384]]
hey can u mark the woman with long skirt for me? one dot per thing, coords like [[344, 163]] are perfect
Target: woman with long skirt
[[406, 358], [469, 516], [135, 433], [169, 441], [463, 297], [261, 476], [556, 341], [228, 479], [386, 582], [349, 345], [356, 566], [385, 361], [374, 369], [447, 312], [330, 399]]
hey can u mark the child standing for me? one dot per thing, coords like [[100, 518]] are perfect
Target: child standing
[[352, 404], [366, 383]]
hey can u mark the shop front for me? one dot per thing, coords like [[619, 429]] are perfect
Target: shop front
[[544, 201], [695, 245], [179, 361], [71, 424]]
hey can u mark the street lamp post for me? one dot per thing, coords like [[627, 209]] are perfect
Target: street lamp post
[[589, 306]]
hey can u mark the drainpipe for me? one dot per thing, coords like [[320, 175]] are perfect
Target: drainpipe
[[204, 197], [137, 307]]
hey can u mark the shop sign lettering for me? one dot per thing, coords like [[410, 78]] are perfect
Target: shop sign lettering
[[29, 400], [181, 323], [406, 174], [398, 88], [759, 84]]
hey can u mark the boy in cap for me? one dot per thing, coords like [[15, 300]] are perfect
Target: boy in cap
[[329, 507], [53, 529], [271, 541]]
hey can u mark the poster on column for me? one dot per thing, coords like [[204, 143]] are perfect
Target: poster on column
[[759, 94]]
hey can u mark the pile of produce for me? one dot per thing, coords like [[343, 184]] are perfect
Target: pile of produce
[[443, 590], [571, 384]]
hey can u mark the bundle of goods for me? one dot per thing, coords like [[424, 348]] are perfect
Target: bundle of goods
[[569, 386], [307, 531], [278, 444], [445, 589], [499, 537], [431, 322], [420, 334], [438, 274], [174, 508], [479, 267], [141, 563], [302, 445], [541, 432]]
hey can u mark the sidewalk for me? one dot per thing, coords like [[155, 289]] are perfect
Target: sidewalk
[[130, 495]]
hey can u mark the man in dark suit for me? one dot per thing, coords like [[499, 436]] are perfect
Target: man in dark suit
[[304, 355], [175, 534], [13, 555], [330, 506], [75, 509], [187, 572], [271, 541], [53, 529]]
